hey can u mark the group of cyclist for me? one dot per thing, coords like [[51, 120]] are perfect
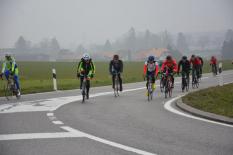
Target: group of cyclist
[[152, 68]]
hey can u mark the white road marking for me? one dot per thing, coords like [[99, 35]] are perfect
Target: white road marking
[[58, 122], [104, 141], [168, 107], [50, 114], [24, 136]]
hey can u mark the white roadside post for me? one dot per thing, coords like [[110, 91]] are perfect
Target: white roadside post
[[220, 74], [54, 79]]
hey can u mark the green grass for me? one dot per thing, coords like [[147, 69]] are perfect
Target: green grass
[[218, 100], [37, 76]]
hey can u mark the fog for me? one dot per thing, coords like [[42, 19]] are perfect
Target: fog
[[75, 22]]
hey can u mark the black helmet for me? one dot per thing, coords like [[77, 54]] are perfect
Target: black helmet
[[151, 58], [193, 56], [184, 57], [116, 57], [169, 57]]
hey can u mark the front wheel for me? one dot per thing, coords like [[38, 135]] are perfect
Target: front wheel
[[8, 91]]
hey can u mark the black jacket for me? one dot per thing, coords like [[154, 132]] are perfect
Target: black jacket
[[116, 66], [185, 65]]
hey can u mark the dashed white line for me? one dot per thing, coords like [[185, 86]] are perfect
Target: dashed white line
[[24, 136], [50, 114], [58, 122]]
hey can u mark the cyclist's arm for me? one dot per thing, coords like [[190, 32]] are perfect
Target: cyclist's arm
[[110, 67], [121, 66], [3, 67]]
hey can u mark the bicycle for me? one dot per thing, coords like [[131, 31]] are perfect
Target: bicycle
[[168, 85], [214, 69], [195, 81], [185, 82], [150, 89], [10, 88], [116, 85]]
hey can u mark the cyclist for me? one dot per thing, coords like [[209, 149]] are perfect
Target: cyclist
[[201, 64], [86, 67], [213, 63], [116, 68], [169, 65], [9, 67], [195, 62], [185, 64], [151, 69]]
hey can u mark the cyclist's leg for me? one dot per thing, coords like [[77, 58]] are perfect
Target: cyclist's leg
[[120, 81], [81, 81], [88, 88], [193, 74], [198, 71], [216, 71], [7, 74], [16, 79], [153, 82], [183, 78]]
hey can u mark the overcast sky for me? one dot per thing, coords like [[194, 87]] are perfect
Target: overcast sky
[[93, 21]]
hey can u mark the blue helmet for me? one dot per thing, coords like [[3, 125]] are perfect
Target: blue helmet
[[151, 58]]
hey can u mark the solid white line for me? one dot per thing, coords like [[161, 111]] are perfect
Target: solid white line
[[107, 142], [50, 114], [37, 136], [168, 107], [57, 122]]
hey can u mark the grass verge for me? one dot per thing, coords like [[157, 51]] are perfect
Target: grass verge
[[217, 100]]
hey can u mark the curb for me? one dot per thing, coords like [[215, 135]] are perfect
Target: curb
[[202, 114]]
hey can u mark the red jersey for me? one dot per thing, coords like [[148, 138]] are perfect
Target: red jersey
[[213, 61], [170, 64], [195, 61]]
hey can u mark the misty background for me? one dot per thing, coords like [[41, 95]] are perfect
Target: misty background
[[62, 30]]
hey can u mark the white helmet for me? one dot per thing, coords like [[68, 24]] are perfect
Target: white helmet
[[86, 56]]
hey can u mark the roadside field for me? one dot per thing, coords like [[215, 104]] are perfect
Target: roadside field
[[37, 76]]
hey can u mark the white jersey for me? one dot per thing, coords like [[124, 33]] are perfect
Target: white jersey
[[151, 67]]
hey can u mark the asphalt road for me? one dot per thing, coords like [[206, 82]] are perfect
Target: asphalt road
[[57, 123]]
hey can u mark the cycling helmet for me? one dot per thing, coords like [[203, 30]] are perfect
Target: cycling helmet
[[184, 57], [151, 58], [7, 55], [169, 57], [116, 57], [86, 56], [193, 56]]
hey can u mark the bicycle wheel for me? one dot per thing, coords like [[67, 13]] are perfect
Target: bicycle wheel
[[170, 88], [116, 87], [166, 89], [161, 85], [8, 91]]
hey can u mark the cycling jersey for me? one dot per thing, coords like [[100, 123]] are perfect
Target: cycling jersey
[[213, 61], [151, 68], [115, 66], [185, 64], [195, 61], [86, 68], [172, 65]]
